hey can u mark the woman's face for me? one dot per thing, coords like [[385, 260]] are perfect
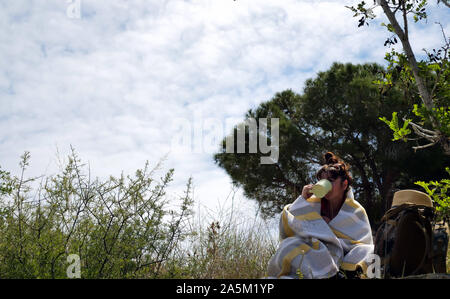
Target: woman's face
[[338, 188]]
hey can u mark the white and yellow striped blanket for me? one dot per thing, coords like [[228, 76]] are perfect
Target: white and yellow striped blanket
[[311, 248]]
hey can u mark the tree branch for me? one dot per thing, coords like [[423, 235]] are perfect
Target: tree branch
[[405, 20], [424, 132], [415, 148], [426, 98], [445, 3]]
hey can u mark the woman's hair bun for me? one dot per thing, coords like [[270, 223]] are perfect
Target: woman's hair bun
[[335, 167], [330, 158]]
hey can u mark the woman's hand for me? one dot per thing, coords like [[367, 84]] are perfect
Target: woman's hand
[[306, 192]]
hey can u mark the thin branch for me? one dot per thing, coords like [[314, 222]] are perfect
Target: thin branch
[[445, 3], [411, 58], [424, 135], [424, 131], [445, 48], [397, 8], [405, 20], [415, 148], [443, 34]]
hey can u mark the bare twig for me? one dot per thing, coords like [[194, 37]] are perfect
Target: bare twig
[[424, 132], [445, 3], [415, 148]]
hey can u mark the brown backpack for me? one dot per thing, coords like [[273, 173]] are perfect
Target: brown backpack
[[406, 241]]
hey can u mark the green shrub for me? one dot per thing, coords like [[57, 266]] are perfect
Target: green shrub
[[439, 191], [119, 227]]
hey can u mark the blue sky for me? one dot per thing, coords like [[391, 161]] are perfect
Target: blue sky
[[113, 82]]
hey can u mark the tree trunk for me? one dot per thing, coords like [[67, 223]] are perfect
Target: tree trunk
[[423, 91], [386, 197], [426, 98], [367, 186]]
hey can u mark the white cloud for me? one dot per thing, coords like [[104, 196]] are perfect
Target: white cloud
[[113, 82]]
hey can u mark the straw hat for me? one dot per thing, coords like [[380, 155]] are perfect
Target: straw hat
[[411, 197]]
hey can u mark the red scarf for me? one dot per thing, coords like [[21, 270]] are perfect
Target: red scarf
[[325, 208]]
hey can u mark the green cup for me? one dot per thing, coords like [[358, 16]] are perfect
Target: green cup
[[321, 188]]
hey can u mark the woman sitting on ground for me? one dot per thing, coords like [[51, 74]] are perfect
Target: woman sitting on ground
[[320, 236]]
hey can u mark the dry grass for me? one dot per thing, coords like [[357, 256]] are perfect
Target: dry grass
[[225, 245]]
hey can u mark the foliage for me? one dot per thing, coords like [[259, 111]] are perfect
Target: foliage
[[399, 133], [5, 182], [338, 111], [225, 250], [428, 77], [224, 244], [440, 193], [442, 114], [120, 227]]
